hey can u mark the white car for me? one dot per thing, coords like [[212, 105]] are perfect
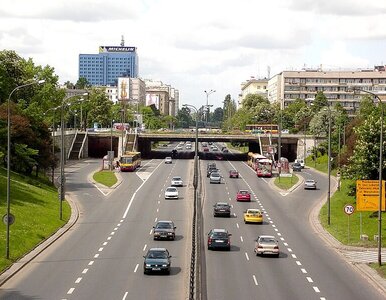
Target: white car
[[168, 160], [177, 181], [215, 177], [171, 193], [310, 184]]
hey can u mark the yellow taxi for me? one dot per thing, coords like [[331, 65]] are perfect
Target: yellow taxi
[[253, 215]]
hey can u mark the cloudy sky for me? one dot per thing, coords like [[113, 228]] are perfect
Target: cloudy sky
[[202, 44]]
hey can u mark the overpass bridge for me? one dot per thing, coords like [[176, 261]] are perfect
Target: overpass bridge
[[97, 144]]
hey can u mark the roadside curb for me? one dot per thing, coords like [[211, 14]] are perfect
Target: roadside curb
[[22, 262], [105, 190], [271, 183]]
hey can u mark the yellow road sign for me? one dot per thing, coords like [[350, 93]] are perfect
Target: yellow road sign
[[368, 195]]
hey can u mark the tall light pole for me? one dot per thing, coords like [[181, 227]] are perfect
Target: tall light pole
[[207, 104], [62, 153], [8, 216], [53, 139], [329, 168], [195, 177], [379, 173]]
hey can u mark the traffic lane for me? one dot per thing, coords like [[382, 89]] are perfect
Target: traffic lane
[[41, 277], [120, 263], [227, 272], [324, 267], [333, 263], [248, 266], [290, 273]]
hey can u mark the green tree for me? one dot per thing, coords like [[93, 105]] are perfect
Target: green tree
[[82, 83], [100, 108], [319, 102], [252, 100], [184, 118], [364, 162], [218, 116]]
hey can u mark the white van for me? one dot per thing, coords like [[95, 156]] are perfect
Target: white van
[[301, 162]]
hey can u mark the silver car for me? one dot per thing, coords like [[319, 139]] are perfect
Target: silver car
[[266, 244], [310, 184], [177, 181], [215, 177]]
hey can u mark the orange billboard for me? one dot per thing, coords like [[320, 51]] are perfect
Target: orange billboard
[[368, 195]]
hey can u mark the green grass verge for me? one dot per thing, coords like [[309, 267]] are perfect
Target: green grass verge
[[105, 177], [360, 222], [286, 183], [380, 269], [346, 229], [35, 205]]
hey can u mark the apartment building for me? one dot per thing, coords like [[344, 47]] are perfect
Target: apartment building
[[253, 86], [337, 85]]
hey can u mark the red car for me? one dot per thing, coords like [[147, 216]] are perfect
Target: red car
[[243, 195], [233, 174]]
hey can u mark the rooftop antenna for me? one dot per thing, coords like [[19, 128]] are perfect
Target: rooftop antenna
[[268, 72], [122, 41]]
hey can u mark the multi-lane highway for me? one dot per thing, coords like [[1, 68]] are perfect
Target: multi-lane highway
[[305, 269], [101, 257]]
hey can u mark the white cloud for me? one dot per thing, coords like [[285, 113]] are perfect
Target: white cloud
[[197, 45]]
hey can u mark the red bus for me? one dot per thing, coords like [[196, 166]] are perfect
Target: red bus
[[261, 164], [264, 168]]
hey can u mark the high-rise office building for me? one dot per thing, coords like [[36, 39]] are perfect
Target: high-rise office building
[[111, 62]]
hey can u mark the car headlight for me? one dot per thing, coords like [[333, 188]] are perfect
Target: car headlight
[[148, 265], [165, 265], [170, 233]]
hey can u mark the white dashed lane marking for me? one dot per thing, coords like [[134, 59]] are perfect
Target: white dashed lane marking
[[255, 280], [78, 280]]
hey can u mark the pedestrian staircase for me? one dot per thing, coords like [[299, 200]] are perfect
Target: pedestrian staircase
[[76, 149], [265, 142], [131, 142]]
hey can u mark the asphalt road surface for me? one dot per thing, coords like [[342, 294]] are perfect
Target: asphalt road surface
[[102, 256], [305, 269]]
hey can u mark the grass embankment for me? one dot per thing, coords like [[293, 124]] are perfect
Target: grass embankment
[[105, 177], [286, 183], [360, 222], [35, 205]]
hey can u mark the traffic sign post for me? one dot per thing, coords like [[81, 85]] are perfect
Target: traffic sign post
[[349, 210], [367, 195]]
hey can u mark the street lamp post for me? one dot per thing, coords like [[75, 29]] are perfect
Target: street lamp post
[[379, 174], [195, 177], [207, 104], [9, 158], [329, 168], [62, 153]]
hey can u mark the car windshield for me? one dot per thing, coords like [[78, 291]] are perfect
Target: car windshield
[[213, 174], [171, 190], [222, 205], [253, 211], [243, 192], [164, 225], [267, 240], [220, 235], [157, 254], [176, 178]]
